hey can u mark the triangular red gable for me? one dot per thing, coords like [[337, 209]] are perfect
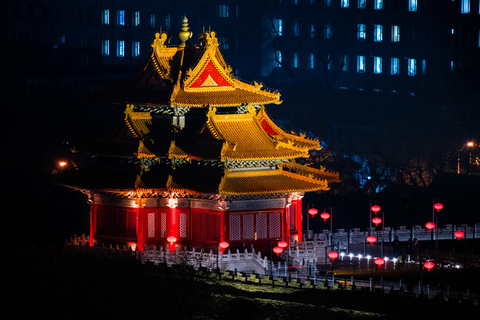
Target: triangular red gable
[[210, 73], [267, 128]]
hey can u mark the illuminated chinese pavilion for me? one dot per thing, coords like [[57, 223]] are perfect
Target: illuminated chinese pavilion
[[197, 158]]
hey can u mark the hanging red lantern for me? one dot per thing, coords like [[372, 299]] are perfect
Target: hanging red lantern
[[325, 216], [430, 225], [429, 265], [371, 239], [379, 261], [223, 245], [312, 212], [459, 234], [277, 250], [333, 255], [438, 206], [171, 242], [377, 221], [282, 244], [376, 208]]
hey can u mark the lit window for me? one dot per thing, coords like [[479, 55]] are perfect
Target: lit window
[[378, 4], [412, 5], [345, 63], [167, 21], [136, 18], [329, 65], [120, 48], [278, 58], [106, 47], [362, 4], [277, 24], [136, 49], [223, 43], [424, 66], [221, 11], [152, 19], [395, 33], [377, 65], [360, 63], [312, 30], [296, 30], [121, 17], [412, 67], [465, 6], [452, 31], [452, 65], [328, 3], [361, 31], [328, 31], [378, 33], [344, 3], [394, 66], [106, 16], [312, 61], [295, 60]]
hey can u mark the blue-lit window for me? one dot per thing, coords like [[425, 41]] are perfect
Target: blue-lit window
[[136, 49], [136, 18], [167, 21], [345, 63], [424, 66], [296, 30], [121, 17], [344, 3], [377, 65], [221, 11], [465, 6], [452, 65], [361, 31], [277, 24], [312, 61], [394, 66], [362, 4], [412, 5], [312, 30], [278, 58], [105, 16], [328, 3], [329, 59], [395, 33], [361, 64], [105, 47], [152, 19], [378, 4], [295, 60], [378, 33], [412, 67], [328, 31], [120, 48]]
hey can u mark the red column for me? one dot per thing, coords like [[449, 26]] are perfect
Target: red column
[[172, 229], [298, 219], [93, 222], [286, 215], [222, 226], [140, 228]]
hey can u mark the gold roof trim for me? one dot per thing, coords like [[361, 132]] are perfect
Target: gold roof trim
[[176, 152], [137, 122], [161, 55]]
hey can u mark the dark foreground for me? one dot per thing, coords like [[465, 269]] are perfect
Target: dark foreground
[[79, 285]]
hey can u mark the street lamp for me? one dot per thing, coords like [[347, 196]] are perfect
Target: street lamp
[[277, 250], [371, 239], [311, 211], [171, 242], [459, 234], [429, 265], [430, 226]]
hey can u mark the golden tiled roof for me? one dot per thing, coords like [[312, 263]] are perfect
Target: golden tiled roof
[[137, 122], [162, 55], [245, 139], [269, 181]]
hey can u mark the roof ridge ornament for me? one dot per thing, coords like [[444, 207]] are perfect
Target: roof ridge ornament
[[185, 34]]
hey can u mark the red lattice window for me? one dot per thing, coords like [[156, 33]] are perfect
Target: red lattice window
[[151, 225], [251, 226], [291, 215], [206, 226], [183, 225], [116, 222]]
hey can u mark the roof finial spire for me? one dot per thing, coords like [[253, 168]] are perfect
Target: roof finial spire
[[184, 34]]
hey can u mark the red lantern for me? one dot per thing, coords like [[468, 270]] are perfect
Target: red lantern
[[277, 250], [429, 265], [379, 261], [325, 216], [377, 220], [171, 242], [282, 244], [438, 206], [376, 208], [313, 211], [371, 239], [333, 255], [459, 234], [223, 245], [430, 225]]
